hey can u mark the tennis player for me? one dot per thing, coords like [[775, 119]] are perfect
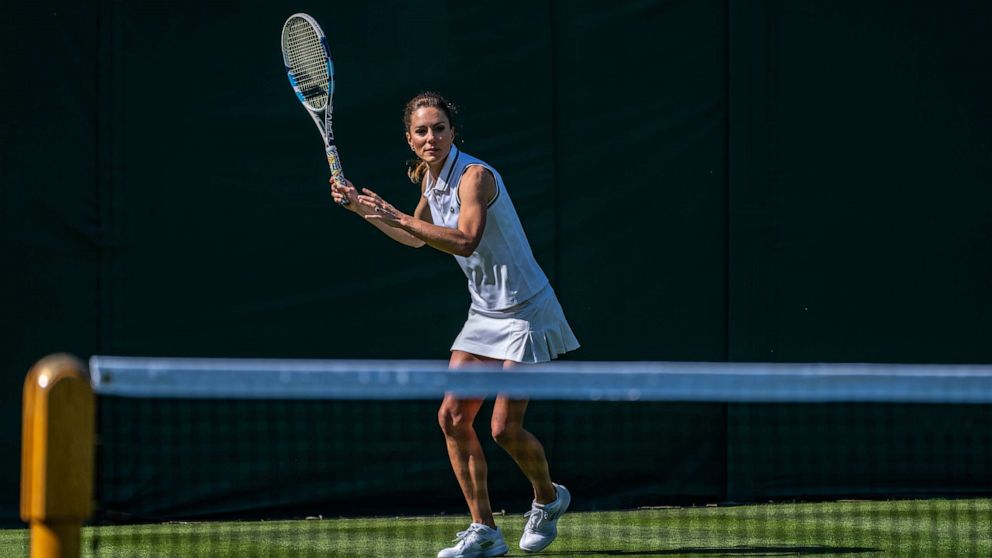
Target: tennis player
[[514, 317]]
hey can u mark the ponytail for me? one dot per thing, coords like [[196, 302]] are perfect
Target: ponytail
[[416, 169]]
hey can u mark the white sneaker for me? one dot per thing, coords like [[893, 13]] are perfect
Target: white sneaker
[[542, 521], [477, 541]]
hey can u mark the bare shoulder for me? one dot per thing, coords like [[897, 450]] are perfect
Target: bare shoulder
[[478, 173], [479, 181]]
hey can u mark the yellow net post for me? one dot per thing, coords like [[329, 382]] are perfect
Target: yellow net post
[[57, 455]]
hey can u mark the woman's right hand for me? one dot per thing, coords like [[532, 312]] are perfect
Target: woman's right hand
[[346, 192]]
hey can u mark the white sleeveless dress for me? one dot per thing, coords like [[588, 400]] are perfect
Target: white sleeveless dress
[[514, 314]]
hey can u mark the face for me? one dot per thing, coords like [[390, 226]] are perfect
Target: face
[[430, 135]]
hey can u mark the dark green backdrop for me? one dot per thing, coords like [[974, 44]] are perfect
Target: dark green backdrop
[[702, 180]]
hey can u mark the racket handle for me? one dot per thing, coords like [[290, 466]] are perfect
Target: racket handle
[[337, 175]]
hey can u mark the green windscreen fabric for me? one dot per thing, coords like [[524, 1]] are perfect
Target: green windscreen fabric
[[166, 459], [867, 450], [641, 185], [50, 234], [860, 206]]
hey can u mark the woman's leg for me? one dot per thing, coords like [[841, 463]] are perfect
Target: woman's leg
[[467, 460], [508, 431]]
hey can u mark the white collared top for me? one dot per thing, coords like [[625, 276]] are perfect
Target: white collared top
[[502, 272]]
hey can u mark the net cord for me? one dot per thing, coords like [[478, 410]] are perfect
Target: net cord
[[589, 381]]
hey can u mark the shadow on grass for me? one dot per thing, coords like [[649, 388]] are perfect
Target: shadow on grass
[[726, 551]]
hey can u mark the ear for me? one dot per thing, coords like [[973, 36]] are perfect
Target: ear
[[409, 139]]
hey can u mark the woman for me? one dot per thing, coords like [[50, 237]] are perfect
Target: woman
[[514, 317]]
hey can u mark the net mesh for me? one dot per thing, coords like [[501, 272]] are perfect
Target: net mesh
[[312, 458], [306, 58]]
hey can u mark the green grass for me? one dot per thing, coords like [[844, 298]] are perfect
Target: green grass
[[890, 528]]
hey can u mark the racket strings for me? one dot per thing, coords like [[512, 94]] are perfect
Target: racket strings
[[307, 61]]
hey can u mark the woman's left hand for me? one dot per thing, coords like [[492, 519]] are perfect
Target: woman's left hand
[[381, 210]]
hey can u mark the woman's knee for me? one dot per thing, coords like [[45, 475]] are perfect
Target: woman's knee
[[453, 421], [506, 433]]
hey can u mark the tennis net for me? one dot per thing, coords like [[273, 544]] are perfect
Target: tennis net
[[221, 457]]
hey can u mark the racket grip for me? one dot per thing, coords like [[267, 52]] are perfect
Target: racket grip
[[337, 175]]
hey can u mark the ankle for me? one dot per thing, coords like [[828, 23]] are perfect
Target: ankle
[[485, 519], [545, 496]]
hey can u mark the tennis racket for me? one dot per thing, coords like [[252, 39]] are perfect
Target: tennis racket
[[311, 73]]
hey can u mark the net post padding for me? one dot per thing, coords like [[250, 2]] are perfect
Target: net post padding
[[57, 457]]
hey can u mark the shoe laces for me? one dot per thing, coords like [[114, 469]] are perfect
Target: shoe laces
[[535, 517], [463, 536]]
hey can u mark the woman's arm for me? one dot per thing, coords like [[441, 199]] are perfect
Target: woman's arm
[[476, 188], [351, 194]]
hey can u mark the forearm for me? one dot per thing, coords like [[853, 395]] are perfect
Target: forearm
[[450, 241], [413, 230], [399, 235], [349, 193]]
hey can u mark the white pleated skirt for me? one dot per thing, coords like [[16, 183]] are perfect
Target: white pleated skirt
[[532, 331]]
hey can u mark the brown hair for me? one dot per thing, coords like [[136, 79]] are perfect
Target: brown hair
[[416, 168]]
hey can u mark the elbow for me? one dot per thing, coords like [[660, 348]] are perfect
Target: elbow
[[466, 249]]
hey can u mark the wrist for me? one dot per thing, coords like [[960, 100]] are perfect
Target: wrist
[[360, 208], [405, 222]]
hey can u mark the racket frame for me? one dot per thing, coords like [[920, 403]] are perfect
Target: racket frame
[[322, 117]]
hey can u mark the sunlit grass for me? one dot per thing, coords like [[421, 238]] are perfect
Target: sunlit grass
[[878, 528]]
